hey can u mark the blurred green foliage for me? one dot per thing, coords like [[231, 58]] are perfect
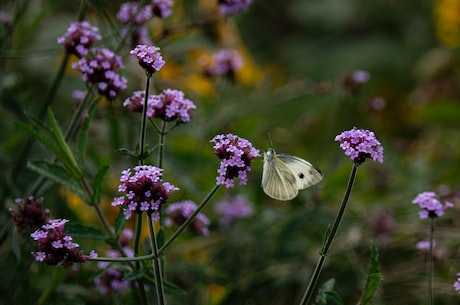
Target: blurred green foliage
[[298, 58]]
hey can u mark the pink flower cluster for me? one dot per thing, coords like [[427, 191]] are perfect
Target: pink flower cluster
[[30, 214], [236, 154], [179, 212], [360, 144], [128, 10], [149, 58], [231, 7], [225, 62], [100, 67], [144, 191], [80, 36], [56, 248], [232, 208], [431, 205], [162, 8]]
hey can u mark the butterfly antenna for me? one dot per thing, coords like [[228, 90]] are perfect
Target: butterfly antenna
[[269, 138]]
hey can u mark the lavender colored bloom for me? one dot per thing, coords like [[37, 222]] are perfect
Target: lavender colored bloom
[[100, 67], [56, 248], [162, 8], [457, 283], [5, 19], [30, 214], [128, 10], [149, 58], [144, 191], [169, 106], [231, 7], [360, 144], [236, 154], [431, 205], [179, 212], [80, 36], [233, 208], [225, 62], [360, 76], [136, 101]]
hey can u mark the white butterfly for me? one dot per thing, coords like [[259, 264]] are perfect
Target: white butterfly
[[284, 175]]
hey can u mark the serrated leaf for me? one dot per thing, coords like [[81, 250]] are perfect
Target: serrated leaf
[[97, 183], [42, 138], [60, 175], [374, 277], [83, 136], [81, 231]]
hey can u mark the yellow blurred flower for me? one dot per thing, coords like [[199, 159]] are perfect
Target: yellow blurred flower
[[447, 20]]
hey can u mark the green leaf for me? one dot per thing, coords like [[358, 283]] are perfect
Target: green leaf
[[120, 223], [326, 293], [374, 277], [42, 138], [97, 184], [134, 275], [83, 136], [160, 237], [128, 153], [81, 231], [60, 175], [334, 297]]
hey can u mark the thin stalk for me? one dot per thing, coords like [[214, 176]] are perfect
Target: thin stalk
[[161, 144], [156, 265], [329, 239], [189, 220], [143, 122], [429, 271]]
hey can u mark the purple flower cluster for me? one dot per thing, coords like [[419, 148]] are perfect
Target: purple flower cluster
[[149, 58], [457, 283], [80, 36], [128, 10], [431, 205], [100, 67], [233, 208], [136, 101], [170, 105], [360, 144], [111, 281], [30, 214], [162, 8], [225, 62], [179, 212], [144, 191], [236, 154], [231, 7], [56, 248]]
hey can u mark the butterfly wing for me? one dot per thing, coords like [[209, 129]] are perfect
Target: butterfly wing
[[278, 180], [304, 172]]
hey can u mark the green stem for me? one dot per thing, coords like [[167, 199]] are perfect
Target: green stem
[[429, 279], [156, 265], [161, 144], [188, 221], [143, 122], [329, 239]]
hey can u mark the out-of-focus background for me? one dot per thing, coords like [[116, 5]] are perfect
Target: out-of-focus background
[[312, 69]]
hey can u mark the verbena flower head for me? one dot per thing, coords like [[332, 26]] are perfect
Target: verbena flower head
[[170, 105], [360, 144], [30, 214], [144, 191], [136, 101], [431, 205], [236, 154], [56, 248], [111, 281], [162, 8], [457, 283], [233, 208], [128, 10], [80, 36], [360, 76], [179, 212], [149, 58], [100, 67], [225, 62], [231, 7]]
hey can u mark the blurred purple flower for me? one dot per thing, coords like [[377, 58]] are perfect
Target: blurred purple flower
[[231, 7], [30, 214], [149, 58], [360, 144], [100, 67], [170, 105], [80, 36], [144, 191], [179, 212], [457, 283], [56, 248], [233, 208], [136, 101], [236, 154], [225, 62], [360, 76], [378, 104], [431, 205], [128, 10], [162, 8]]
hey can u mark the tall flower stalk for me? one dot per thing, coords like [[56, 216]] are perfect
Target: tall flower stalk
[[359, 145]]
